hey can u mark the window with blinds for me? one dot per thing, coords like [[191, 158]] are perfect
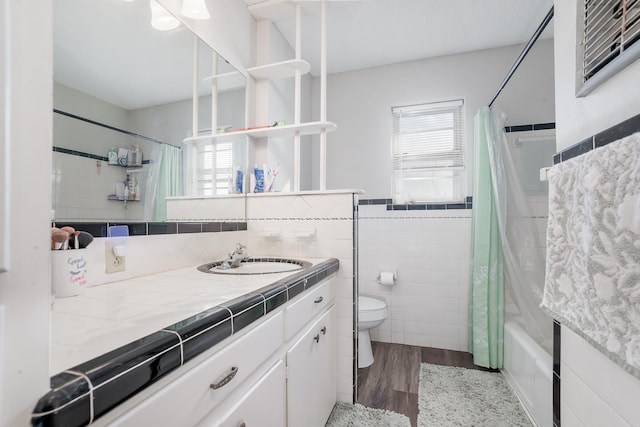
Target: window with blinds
[[214, 168], [609, 36], [428, 158]]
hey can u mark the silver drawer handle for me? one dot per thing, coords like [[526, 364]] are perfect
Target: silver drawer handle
[[225, 379], [324, 330], [317, 338], [319, 300]]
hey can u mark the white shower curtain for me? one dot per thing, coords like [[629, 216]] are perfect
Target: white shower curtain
[[522, 250]]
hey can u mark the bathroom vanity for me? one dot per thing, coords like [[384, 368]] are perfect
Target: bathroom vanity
[[263, 353]]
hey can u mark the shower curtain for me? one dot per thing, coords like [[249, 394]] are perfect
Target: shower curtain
[[506, 251], [168, 180], [486, 293]]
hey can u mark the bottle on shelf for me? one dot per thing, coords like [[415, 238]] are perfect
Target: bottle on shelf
[[126, 188], [137, 190], [132, 187], [135, 156], [112, 156]]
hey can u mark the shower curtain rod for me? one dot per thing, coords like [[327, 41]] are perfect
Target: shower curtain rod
[[524, 53]]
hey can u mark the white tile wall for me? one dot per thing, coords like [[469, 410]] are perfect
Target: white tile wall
[[80, 189], [430, 250], [155, 254], [227, 208], [330, 216], [594, 390]]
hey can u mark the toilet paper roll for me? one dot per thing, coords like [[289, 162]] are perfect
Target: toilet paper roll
[[387, 278]]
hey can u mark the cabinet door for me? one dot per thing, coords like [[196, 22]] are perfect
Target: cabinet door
[[311, 374], [262, 406]]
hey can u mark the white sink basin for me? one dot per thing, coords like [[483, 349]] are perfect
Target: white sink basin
[[256, 266]]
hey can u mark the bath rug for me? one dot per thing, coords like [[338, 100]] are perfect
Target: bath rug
[[592, 283], [348, 415], [452, 396]]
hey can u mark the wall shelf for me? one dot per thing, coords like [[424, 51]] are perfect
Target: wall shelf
[[233, 136], [122, 199], [228, 81], [280, 70], [310, 128]]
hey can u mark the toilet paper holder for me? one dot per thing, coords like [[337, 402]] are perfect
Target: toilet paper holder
[[384, 276]]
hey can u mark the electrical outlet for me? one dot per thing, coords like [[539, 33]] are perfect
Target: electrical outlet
[[113, 263]]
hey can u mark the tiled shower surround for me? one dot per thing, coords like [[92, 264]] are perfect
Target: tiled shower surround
[[430, 251]]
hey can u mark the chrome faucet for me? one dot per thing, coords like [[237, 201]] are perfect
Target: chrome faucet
[[236, 257]]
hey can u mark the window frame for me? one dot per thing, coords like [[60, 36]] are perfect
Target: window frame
[[424, 162], [606, 68], [202, 171]]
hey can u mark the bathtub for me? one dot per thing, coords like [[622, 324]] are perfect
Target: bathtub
[[529, 370]]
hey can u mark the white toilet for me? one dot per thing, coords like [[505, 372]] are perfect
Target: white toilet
[[371, 313]]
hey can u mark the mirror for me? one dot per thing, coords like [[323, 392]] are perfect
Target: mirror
[[120, 84]]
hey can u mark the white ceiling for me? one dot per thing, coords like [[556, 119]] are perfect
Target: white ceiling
[[107, 48], [370, 33]]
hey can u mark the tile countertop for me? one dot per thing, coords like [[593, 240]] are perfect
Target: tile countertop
[[109, 316]]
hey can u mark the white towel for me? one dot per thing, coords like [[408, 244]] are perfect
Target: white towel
[[592, 282]]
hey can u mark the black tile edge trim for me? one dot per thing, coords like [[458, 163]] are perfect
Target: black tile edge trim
[[79, 153], [614, 133], [374, 201], [99, 229], [120, 361], [113, 128], [67, 403], [533, 126], [245, 310], [557, 332], [556, 401], [607, 136], [577, 149], [189, 227], [390, 206], [556, 347], [119, 374]]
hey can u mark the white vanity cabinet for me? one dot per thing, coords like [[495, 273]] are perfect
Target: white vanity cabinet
[[279, 372], [262, 406], [190, 397], [311, 380]]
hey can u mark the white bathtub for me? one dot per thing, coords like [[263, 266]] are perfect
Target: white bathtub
[[529, 370]]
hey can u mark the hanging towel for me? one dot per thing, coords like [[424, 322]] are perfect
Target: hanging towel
[[592, 282]]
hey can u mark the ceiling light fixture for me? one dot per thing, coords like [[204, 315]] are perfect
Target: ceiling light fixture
[[161, 19], [194, 9]]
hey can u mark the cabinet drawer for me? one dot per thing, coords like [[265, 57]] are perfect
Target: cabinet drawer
[[307, 307], [262, 406], [187, 399]]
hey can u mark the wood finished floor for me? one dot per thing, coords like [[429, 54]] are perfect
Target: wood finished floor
[[391, 382]]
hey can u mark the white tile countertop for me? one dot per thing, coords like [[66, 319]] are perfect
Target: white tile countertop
[[109, 316]]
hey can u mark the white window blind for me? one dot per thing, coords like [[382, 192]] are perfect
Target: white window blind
[[428, 158], [609, 40], [214, 168]]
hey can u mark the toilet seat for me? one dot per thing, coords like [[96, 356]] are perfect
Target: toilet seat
[[370, 304], [371, 309]]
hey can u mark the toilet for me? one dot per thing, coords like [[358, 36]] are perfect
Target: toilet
[[371, 313]]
